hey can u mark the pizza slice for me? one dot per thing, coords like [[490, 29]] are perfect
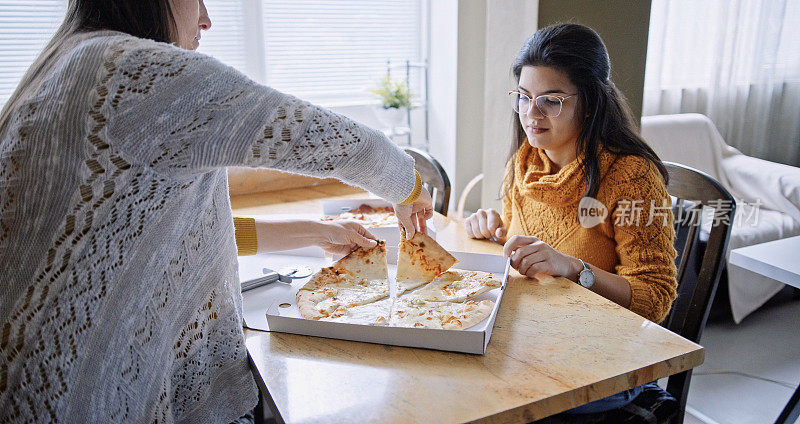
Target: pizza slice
[[456, 286], [368, 216], [440, 315], [419, 261], [357, 279], [369, 264], [375, 313]]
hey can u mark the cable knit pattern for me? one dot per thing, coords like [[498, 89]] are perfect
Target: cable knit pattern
[[121, 299], [544, 203]]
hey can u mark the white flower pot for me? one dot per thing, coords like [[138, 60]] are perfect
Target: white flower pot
[[392, 117]]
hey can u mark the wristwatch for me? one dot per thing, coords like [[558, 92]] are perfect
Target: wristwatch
[[586, 276]]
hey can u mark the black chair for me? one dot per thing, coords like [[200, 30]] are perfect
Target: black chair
[[698, 269], [791, 411], [434, 179], [698, 273]]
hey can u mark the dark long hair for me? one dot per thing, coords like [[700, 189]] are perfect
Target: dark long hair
[[608, 123], [151, 19]]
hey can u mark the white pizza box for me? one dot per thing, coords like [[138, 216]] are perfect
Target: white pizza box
[[391, 234], [263, 311]]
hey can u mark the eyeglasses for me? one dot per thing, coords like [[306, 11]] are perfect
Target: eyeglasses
[[548, 104]]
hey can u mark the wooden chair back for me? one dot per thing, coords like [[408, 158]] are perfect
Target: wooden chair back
[[698, 271]]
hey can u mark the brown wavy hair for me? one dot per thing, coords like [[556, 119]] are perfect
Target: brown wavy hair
[[608, 123]]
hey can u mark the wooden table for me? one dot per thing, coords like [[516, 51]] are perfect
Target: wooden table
[[555, 345]]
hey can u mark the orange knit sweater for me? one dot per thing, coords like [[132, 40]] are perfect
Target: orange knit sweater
[[544, 204]]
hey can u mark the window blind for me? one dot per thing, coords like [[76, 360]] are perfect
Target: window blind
[[329, 52], [326, 51], [333, 51], [25, 28], [226, 40]]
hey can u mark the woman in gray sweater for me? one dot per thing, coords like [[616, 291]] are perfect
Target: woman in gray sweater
[[120, 294]]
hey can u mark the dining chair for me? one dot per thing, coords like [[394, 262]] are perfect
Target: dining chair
[[698, 270], [434, 178], [698, 273]]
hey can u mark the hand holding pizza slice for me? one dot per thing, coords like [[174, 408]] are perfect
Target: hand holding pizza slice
[[420, 259]]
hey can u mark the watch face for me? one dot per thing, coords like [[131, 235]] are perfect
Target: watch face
[[586, 278]]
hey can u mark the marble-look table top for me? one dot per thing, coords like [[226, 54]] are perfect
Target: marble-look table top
[[555, 345]]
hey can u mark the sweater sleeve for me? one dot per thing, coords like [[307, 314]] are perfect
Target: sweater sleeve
[[182, 113], [508, 192], [644, 235], [507, 210], [246, 236]]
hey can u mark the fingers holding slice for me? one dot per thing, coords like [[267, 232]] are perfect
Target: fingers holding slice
[[422, 225], [516, 242], [482, 224]]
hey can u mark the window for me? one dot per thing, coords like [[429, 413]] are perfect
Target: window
[[326, 51], [735, 61], [25, 28]]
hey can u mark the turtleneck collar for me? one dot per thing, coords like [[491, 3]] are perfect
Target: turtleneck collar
[[535, 176]]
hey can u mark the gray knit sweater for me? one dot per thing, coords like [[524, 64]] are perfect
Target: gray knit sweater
[[120, 294]]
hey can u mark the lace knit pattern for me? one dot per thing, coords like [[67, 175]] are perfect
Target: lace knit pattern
[[117, 255]]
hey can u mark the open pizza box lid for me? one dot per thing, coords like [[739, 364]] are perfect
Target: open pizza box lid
[[274, 307], [390, 233]]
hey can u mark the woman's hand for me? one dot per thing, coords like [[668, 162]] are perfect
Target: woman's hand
[[335, 237], [531, 256], [412, 217], [341, 238], [485, 224]]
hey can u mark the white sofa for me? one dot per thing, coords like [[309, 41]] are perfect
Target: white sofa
[[767, 194]]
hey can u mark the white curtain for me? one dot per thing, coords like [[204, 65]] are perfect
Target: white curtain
[[736, 61]]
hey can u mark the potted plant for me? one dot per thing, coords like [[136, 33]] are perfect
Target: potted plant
[[395, 99]]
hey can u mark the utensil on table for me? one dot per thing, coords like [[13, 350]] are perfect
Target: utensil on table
[[284, 275]]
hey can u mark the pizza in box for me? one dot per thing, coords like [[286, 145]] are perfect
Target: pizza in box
[[428, 292], [367, 216]]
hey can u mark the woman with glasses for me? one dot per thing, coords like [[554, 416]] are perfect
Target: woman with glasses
[[584, 197]]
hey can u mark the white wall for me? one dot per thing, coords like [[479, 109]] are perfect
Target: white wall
[[508, 24], [472, 46], [443, 76], [470, 94]]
